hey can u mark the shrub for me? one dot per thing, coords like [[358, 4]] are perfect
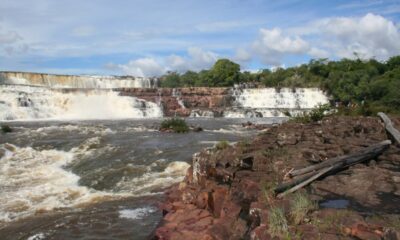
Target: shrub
[[278, 225], [315, 115], [267, 189], [175, 124], [6, 129], [301, 205], [222, 145]]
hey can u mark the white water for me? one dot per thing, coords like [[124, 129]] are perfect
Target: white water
[[71, 81], [136, 214], [271, 102], [173, 173], [33, 103], [33, 181]]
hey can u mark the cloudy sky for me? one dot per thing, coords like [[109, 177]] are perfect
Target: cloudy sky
[[149, 37]]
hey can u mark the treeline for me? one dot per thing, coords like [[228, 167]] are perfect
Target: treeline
[[367, 83]]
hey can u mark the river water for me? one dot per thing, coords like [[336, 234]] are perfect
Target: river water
[[98, 179]]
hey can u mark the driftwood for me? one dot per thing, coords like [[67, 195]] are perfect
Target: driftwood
[[309, 180], [389, 127], [331, 166], [362, 155]]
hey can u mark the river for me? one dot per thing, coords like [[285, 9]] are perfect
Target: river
[[97, 179]]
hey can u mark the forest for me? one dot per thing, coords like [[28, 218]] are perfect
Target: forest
[[369, 84]]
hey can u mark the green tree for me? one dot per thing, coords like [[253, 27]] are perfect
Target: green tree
[[170, 80], [189, 79], [224, 73]]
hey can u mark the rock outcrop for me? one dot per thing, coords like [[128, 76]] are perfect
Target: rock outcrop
[[227, 192], [200, 101]]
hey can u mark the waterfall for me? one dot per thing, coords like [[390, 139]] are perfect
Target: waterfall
[[71, 81], [32, 103], [177, 94], [272, 102]]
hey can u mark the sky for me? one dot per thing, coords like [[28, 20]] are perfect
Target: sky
[[150, 37]]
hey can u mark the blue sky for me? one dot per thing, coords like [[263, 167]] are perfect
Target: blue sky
[[147, 38]]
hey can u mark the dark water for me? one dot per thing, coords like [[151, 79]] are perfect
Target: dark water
[[335, 203], [96, 179]]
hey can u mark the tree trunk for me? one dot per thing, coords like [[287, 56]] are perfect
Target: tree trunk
[[333, 165], [389, 127], [364, 154]]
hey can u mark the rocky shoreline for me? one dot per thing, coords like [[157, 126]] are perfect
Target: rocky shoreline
[[227, 193]]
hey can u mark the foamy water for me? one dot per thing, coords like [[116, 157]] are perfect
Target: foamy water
[[151, 181], [96, 178], [35, 103], [35, 181], [137, 213]]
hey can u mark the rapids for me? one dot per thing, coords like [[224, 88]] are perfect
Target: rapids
[[97, 179]]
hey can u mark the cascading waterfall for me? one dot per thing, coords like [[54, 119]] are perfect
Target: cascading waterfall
[[32, 103], [272, 102], [71, 81], [33, 96], [177, 94]]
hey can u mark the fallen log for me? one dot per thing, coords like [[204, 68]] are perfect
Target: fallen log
[[362, 155], [389, 127], [332, 166], [309, 180], [286, 185]]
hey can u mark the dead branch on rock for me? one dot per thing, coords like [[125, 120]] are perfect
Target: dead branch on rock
[[330, 166], [389, 127], [311, 179], [362, 155]]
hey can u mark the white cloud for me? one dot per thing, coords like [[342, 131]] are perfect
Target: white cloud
[[272, 45], [242, 56], [197, 59], [142, 67], [370, 36], [200, 59], [318, 53]]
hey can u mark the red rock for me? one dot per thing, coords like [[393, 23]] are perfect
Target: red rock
[[260, 233], [204, 98], [216, 202], [202, 200], [220, 200]]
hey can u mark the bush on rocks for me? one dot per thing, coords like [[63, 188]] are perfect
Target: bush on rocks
[[177, 125]]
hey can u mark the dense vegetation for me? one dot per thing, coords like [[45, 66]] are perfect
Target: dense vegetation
[[177, 125], [367, 83]]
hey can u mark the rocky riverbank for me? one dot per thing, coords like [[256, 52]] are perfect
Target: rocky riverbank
[[228, 192]]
